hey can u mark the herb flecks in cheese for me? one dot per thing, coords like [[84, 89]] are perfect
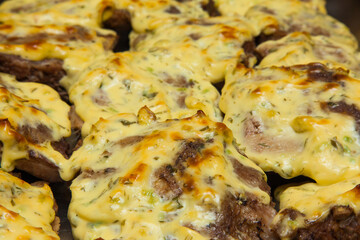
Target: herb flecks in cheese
[[172, 179], [301, 120], [125, 82], [26, 212]]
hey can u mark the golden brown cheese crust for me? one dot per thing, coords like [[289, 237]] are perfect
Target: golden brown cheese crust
[[300, 120], [125, 82], [175, 180], [26, 211]]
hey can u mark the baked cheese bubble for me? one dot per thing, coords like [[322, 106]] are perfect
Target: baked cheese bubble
[[299, 120], [174, 179]]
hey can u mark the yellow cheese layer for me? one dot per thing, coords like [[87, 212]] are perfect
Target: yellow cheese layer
[[25, 106], [125, 82], [238, 8], [147, 15], [296, 121], [64, 12], [26, 212], [119, 161], [33, 104], [315, 202], [291, 16], [201, 47], [76, 45], [301, 48]]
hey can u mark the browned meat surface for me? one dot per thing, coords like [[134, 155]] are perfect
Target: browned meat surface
[[120, 22], [249, 175], [258, 141], [47, 71], [211, 8], [40, 167], [190, 151], [66, 146], [97, 174], [73, 33], [342, 223], [165, 183], [242, 217], [128, 141]]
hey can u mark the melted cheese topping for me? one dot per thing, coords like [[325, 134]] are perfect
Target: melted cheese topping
[[30, 105], [43, 12], [238, 8], [202, 47], [301, 48], [140, 79], [292, 16], [147, 15], [315, 202], [76, 45], [26, 212], [287, 125], [26, 103], [119, 160]]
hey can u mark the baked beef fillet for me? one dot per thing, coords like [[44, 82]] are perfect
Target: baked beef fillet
[[178, 179]]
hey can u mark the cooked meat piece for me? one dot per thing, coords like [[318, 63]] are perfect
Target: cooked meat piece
[[47, 71], [120, 22], [297, 120], [39, 166], [182, 178]]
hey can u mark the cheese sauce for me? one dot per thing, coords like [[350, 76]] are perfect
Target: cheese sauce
[[204, 47], [124, 162], [301, 48], [125, 82], [26, 212], [299, 120]]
